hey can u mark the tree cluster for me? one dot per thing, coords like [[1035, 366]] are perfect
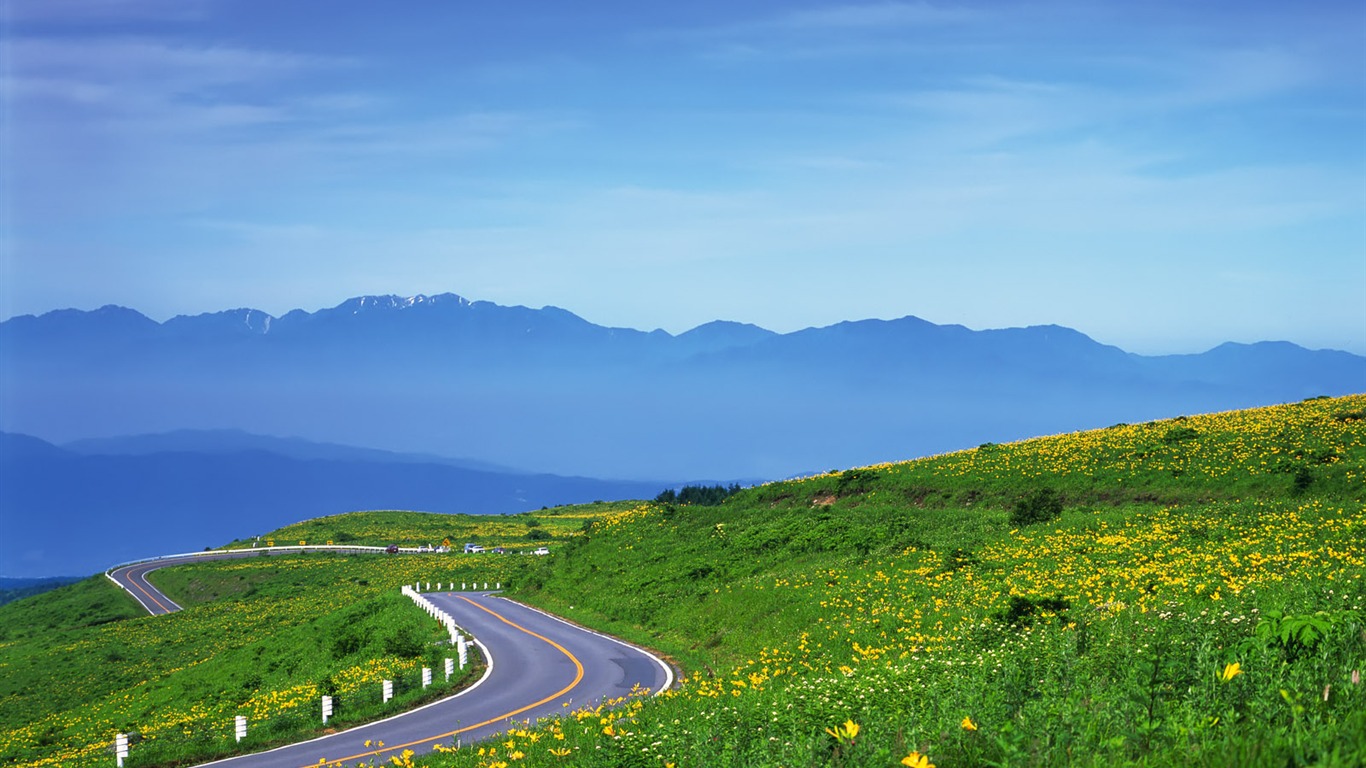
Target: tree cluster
[[701, 495]]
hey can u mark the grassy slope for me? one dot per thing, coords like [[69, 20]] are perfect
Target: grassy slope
[[263, 637], [902, 599], [16, 589], [528, 530]]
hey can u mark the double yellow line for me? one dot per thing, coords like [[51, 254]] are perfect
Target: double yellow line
[[578, 676], [133, 579]]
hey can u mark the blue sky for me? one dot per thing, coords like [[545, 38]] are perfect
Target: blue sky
[[1163, 176]]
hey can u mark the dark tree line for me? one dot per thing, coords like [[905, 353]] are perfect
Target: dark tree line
[[701, 495]]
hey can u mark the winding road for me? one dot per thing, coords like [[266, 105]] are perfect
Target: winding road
[[537, 666]]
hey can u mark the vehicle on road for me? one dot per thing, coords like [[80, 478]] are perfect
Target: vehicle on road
[[473, 548], [392, 549], [540, 551]]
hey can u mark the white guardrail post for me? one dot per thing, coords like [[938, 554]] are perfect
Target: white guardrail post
[[327, 708], [441, 616], [120, 748], [388, 690], [240, 727]]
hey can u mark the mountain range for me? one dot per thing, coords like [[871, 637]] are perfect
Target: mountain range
[[521, 391]]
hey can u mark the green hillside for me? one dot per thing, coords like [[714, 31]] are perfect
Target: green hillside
[[263, 637], [1179, 592], [913, 601]]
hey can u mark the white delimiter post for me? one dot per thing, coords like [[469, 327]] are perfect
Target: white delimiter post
[[450, 668], [120, 748], [388, 690], [426, 676], [240, 727], [463, 650], [327, 708]]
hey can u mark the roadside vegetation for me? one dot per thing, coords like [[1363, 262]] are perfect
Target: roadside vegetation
[[527, 530], [1187, 592], [265, 637]]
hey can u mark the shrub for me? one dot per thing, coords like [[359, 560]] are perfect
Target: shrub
[[1179, 434], [1296, 635], [1040, 506], [1303, 479], [405, 642], [855, 482], [1022, 611]]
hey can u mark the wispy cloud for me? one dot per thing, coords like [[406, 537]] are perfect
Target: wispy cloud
[[78, 11], [878, 16], [157, 64], [834, 31]]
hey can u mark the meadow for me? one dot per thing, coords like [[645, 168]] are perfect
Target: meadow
[[1187, 591], [1198, 600], [519, 532], [264, 637]]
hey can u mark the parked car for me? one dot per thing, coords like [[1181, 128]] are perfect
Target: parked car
[[540, 551], [499, 551], [392, 549], [473, 548]]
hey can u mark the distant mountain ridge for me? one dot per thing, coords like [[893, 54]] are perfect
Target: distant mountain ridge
[[445, 317], [546, 389], [218, 441]]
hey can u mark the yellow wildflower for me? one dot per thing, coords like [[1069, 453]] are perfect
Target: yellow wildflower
[[844, 733], [917, 760]]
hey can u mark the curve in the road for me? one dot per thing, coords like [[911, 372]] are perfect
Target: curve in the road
[[132, 576], [539, 665], [430, 741], [133, 579]]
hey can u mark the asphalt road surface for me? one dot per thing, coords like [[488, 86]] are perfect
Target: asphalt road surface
[[537, 666]]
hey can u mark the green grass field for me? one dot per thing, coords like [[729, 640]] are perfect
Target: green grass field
[[1181, 592], [264, 637]]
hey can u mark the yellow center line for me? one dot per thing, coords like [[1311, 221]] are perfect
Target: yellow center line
[[133, 580], [578, 666]]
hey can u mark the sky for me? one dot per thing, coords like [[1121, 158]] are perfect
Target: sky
[[1163, 176]]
